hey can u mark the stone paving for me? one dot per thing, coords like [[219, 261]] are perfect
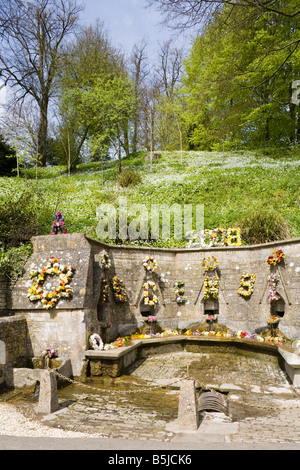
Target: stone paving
[[264, 408]]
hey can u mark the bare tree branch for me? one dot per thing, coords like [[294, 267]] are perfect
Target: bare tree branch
[[31, 37]]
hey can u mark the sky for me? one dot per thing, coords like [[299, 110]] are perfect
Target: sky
[[128, 22]]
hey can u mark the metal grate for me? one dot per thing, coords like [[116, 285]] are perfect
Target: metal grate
[[213, 401]]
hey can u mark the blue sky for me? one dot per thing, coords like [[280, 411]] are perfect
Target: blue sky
[[127, 22]]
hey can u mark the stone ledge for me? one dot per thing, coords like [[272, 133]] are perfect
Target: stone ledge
[[117, 353], [292, 366], [113, 354], [292, 359]]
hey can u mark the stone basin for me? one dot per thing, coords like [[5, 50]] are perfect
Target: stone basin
[[116, 362]]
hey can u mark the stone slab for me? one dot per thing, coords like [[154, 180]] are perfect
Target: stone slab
[[187, 410]]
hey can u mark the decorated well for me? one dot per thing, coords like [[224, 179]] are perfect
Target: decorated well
[[117, 290]]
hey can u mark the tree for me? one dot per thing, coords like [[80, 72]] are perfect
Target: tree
[[91, 64], [107, 107], [8, 161], [183, 14], [236, 14], [20, 126], [139, 73], [236, 90], [32, 37], [169, 73]]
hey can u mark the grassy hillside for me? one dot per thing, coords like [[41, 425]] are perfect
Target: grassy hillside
[[243, 189]]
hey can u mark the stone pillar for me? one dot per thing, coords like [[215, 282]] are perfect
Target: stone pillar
[[188, 419], [48, 399]]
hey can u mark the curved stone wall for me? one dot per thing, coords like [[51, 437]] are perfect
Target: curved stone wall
[[69, 324]]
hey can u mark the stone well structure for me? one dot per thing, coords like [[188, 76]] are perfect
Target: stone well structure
[[68, 326]]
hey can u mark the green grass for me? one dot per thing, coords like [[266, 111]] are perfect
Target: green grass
[[231, 185]]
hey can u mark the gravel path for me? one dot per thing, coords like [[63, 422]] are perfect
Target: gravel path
[[14, 423]]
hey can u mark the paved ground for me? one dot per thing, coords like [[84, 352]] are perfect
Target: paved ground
[[264, 410], [113, 445]]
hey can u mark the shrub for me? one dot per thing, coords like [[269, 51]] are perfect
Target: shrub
[[17, 222], [128, 178], [12, 261], [264, 225]]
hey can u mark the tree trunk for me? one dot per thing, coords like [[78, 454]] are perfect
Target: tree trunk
[[43, 132], [293, 127], [267, 131]]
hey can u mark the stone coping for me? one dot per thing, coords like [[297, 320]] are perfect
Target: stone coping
[[292, 359], [171, 250], [115, 354], [202, 249]]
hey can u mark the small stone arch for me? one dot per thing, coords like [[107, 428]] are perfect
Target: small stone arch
[[278, 307]]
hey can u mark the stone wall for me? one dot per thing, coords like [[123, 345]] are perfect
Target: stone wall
[[15, 346], [234, 311], [68, 326]]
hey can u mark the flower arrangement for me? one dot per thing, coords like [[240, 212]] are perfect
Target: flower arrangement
[[50, 299], [58, 224], [96, 342], [247, 285], [147, 300], [151, 319], [276, 257], [229, 334], [105, 262], [119, 343], [51, 353], [211, 288], [119, 291], [211, 318], [273, 320], [104, 295], [214, 237], [233, 237], [150, 263], [179, 291], [273, 282], [210, 263]]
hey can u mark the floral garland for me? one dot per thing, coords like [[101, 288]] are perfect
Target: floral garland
[[118, 287], [147, 263], [147, 300], [273, 282], [210, 263], [104, 296], [105, 262], [50, 299], [248, 281], [179, 291], [276, 257], [211, 288]]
